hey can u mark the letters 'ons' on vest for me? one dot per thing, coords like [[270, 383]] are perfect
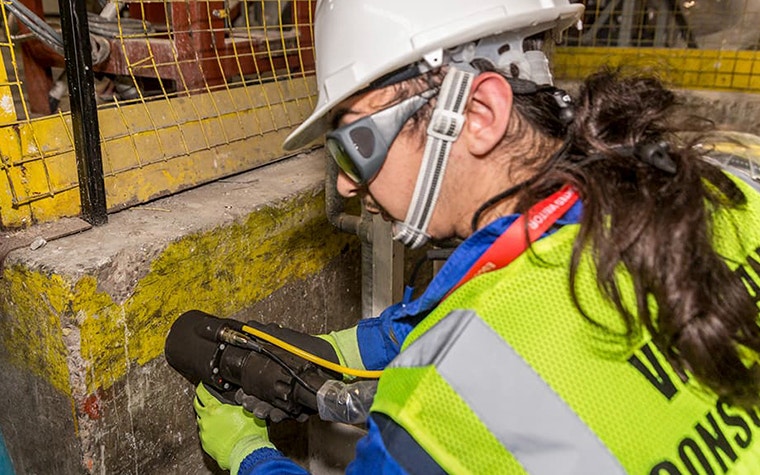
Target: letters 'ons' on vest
[[507, 377]]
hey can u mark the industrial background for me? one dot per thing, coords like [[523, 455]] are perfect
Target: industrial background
[[141, 175]]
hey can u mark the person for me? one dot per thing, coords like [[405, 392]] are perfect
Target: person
[[600, 313]]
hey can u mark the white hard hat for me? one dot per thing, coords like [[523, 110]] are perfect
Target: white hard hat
[[360, 41]]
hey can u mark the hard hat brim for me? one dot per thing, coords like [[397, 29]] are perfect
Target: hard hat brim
[[440, 37]]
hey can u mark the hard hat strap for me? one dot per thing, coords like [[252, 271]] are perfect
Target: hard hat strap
[[444, 129]]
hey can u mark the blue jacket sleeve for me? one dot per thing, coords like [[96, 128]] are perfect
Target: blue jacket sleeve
[[380, 338], [268, 461], [377, 346], [372, 456]]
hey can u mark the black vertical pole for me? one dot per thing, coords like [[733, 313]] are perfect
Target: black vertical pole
[[84, 110]]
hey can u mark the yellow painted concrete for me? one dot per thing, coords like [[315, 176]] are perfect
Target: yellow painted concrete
[[149, 149], [696, 69], [221, 271]]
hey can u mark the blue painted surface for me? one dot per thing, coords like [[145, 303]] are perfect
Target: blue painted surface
[[6, 466]]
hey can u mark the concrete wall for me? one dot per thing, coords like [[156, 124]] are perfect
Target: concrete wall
[[730, 110], [83, 319]]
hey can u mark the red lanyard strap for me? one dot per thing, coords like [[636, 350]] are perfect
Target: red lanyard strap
[[514, 241]]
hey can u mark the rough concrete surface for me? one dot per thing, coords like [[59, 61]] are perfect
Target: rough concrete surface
[[136, 235], [36, 422], [729, 110], [83, 319]]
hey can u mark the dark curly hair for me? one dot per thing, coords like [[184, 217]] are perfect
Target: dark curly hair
[[655, 222]]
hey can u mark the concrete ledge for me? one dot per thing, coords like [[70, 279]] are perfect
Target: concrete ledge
[[730, 110], [83, 318]]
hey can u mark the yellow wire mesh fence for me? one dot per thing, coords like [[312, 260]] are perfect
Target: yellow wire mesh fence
[[710, 44], [190, 91]]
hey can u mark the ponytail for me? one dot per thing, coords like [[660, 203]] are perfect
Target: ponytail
[[648, 202]]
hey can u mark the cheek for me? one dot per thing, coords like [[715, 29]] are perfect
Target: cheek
[[394, 185], [405, 158], [387, 193]]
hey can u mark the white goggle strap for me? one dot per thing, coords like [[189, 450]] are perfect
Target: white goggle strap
[[444, 129]]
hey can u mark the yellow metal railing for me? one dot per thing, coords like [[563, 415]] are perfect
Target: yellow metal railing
[[688, 68]]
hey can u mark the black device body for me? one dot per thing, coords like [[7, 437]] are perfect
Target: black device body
[[196, 348]]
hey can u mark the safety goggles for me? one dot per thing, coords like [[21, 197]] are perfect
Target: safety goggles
[[360, 148]]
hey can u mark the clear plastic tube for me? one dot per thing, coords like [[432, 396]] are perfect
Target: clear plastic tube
[[347, 403]]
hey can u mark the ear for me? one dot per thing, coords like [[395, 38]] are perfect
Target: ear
[[488, 112]]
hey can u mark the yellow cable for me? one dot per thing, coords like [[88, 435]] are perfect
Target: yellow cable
[[359, 373]]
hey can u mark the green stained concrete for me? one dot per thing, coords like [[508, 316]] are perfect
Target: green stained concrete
[[31, 304]]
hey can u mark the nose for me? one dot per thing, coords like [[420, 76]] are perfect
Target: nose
[[346, 186]]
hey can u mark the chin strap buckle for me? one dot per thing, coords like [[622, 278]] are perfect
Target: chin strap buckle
[[445, 125]]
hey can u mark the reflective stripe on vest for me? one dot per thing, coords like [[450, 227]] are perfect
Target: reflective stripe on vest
[[512, 400]]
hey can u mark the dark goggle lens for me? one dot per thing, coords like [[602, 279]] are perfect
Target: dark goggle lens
[[343, 159], [364, 140]]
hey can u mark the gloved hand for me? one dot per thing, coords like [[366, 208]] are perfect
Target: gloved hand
[[228, 433], [263, 410]]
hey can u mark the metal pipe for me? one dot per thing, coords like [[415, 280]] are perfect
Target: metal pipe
[[367, 270], [36, 25], [358, 225], [84, 110], [382, 259]]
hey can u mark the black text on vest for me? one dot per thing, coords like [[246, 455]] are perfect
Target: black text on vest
[[651, 368], [714, 444], [750, 281]]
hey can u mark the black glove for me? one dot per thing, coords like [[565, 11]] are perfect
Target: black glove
[[264, 410]]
